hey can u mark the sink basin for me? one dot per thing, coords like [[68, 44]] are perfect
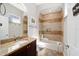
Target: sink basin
[[12, 48], [21, 42], [16, 45]]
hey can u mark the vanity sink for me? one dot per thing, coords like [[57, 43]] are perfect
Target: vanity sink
[[17, 44], [18, 47], [21, 41]]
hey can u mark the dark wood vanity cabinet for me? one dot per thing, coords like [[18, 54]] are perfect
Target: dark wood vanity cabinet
[[31, 49], [28, 50]]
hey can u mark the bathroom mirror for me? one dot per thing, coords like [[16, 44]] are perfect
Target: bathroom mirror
[[14, 24], [11, 29]]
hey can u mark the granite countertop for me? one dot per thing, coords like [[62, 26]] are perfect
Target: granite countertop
[[7, 48]]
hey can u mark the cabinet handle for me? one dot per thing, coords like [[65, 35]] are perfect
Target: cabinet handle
[[29, 45]]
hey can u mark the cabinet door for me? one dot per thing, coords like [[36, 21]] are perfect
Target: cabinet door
[[31, 49], [28, 50], [4, 23]]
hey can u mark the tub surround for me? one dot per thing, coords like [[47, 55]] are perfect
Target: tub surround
[[51, 32], [51, 25], [13, 46]]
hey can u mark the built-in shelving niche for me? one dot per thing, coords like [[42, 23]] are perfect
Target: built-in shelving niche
[[51, 25], [25, 27]]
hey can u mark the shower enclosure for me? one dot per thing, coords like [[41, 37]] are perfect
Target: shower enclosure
[[52, 29]]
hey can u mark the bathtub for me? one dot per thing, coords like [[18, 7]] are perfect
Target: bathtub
[[53, 45]]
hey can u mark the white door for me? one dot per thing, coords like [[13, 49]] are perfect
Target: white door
[[66, 48], [4, 27], [72, 32]]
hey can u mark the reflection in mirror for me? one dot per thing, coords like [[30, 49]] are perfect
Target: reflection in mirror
[[13, 25]]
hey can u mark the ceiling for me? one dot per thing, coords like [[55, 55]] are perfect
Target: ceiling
[[20, 6], [41, 6]]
